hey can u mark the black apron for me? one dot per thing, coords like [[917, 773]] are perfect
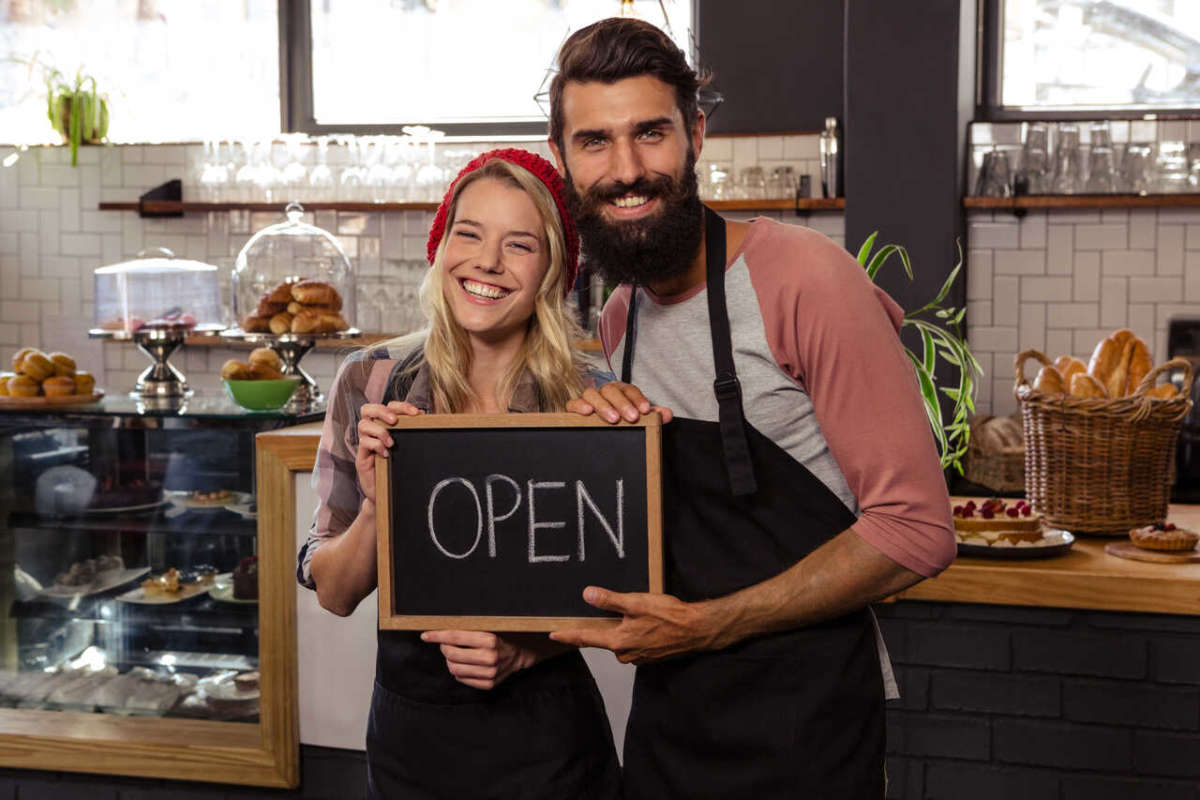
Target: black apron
[[542, 733], [795, 714]]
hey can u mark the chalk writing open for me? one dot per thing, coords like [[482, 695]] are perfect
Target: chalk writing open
[[586, 508]]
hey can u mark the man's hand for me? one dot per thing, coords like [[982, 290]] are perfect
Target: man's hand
[[614, 401], [655, 626]]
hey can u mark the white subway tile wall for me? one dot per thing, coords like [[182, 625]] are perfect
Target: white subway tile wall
[[1059, 281], [52, 236]]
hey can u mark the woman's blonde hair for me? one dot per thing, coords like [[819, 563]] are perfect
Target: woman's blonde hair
[[549, 352]]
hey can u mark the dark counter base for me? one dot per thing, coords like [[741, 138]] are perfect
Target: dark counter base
[[1042, 704], [326, 773]]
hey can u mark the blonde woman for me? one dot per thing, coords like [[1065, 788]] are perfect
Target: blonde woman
[[466, 713]]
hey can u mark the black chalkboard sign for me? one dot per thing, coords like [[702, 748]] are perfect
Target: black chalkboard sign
[[498, 521]]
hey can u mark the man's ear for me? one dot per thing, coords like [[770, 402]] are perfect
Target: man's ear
[[558, 158], [698, 133]]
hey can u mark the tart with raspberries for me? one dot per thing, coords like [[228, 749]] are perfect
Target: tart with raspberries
[[996, 520], [1164, 536]]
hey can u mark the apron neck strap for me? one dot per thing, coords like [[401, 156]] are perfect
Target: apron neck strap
[[726, 387]]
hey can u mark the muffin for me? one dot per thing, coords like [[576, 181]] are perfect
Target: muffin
[[37, 365], [85, 382], [58, 386], [23, 386], [64, 365]]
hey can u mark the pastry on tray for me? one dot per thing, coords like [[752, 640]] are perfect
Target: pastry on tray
[[245, 579], [1165, 537]]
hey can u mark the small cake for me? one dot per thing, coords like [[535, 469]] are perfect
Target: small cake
[[995, 521], [1164, 536], [245, 579], [166, 584], [246, 681]]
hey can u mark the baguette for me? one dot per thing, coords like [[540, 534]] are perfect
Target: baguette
[[1049, 381], [1139, 366], [1068, 366], [1087, 386], [1164, 391]]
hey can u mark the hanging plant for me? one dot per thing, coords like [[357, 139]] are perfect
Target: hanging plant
[[941, 339], [76, 110]]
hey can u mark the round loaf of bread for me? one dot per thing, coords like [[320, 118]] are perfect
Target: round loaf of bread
[[264, 372], [233, 370], [265, 355], [37, 365], [58, 386]]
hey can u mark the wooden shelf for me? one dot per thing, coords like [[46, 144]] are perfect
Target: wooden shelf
[[1085, 201], [176, 207], [339, 345]]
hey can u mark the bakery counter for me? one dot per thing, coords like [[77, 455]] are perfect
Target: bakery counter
[[1085, 577]]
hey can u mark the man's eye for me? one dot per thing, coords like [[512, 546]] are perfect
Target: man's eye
[[652, 135], [594, 142]]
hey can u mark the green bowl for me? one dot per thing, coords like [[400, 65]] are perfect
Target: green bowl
[[262, 395]]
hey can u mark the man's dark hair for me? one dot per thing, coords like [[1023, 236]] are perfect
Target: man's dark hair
[[617, 48]]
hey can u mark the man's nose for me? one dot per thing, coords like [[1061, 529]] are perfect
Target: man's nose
[[626, 166]]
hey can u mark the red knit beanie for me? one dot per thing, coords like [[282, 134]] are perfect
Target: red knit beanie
[[544, 171]]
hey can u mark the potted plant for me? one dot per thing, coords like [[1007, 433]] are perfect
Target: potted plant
[[76, 109], [941, 340]]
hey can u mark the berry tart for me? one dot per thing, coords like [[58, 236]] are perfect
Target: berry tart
[[996, 521], [1164, 536]]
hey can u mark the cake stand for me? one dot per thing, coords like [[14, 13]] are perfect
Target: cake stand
[[291, 347], [160, 381]]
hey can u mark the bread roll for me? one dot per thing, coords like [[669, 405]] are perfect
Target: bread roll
[[255, 324], [85, 382], [1068, 366], [283, 292], [58, 386], [307, 321], [316, 293], [1164, 391], [1139, 365], [23, 386], [281, 323], [295, 308], [331, 322], [1086, 386], [268, 308], [19, 357], [37, 365], [234, 370], [260, 371], [1049, 381], [265, 355], [64, 365]]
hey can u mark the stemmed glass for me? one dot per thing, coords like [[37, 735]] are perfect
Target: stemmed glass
[[320, 177], [354, 174], [292, 176], [214, 173]]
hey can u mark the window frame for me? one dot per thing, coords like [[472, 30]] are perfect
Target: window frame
[[990, 46], [296, 88]]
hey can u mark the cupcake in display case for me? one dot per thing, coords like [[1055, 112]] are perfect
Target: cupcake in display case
[[292, 284], [157, 302]]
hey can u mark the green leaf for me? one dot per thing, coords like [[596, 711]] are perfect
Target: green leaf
[[930, 351], [864, 252]]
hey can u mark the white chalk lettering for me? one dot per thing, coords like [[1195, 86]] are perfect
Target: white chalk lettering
[[534, 558], [618, 538], [478, 516], [492, 519]]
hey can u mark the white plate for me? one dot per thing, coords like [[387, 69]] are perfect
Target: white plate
[[184, 500], [223, 590], [188, 591], [1065, 540], [228, 692], [104, 581], [124, 509], [246, 510]]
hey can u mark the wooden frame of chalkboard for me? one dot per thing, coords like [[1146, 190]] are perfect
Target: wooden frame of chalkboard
[[635, 446]]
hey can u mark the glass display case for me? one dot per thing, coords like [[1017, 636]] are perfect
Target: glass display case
[[132, 609]]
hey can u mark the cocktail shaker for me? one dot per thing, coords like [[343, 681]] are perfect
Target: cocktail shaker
[[829, 158]]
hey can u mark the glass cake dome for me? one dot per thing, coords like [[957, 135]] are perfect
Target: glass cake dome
[[157, 292], [293, 277]]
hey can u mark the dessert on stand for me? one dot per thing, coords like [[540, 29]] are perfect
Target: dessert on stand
[[156, 302], [292, 286]]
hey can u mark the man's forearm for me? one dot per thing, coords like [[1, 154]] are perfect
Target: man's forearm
[[841, 576]]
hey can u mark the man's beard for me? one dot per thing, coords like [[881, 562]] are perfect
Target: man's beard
[[641, 251]]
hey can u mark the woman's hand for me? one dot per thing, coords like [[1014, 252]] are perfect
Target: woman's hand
[[615, 400], [373, 438], [484, 660]]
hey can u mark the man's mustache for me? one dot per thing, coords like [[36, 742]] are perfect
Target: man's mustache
[[647, 187]]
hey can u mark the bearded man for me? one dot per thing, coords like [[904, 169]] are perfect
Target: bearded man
[[801, 481]]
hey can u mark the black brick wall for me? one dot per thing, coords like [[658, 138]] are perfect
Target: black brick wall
[[325, 774], [1042, 704]]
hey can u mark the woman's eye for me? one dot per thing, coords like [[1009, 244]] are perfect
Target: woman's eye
[[466, 234], [524, 248]]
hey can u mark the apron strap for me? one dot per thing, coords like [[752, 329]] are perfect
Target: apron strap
[[726, 387]]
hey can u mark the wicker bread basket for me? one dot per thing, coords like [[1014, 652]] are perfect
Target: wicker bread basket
[[1100, 466], [996, 465]]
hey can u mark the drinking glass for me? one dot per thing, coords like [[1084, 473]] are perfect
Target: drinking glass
[[1034, 174], [720, 181], [1194, 166], [1101, 163], [320, 177], [995, 178], [754, 183], [354, 175], [1137, 168], [292, 178], [1068, 163]]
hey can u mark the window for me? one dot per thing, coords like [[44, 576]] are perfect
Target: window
[[173, 70], [1086, 55], [446, 63]]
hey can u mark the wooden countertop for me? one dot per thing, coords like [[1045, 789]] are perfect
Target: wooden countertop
[[1085, 577]]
